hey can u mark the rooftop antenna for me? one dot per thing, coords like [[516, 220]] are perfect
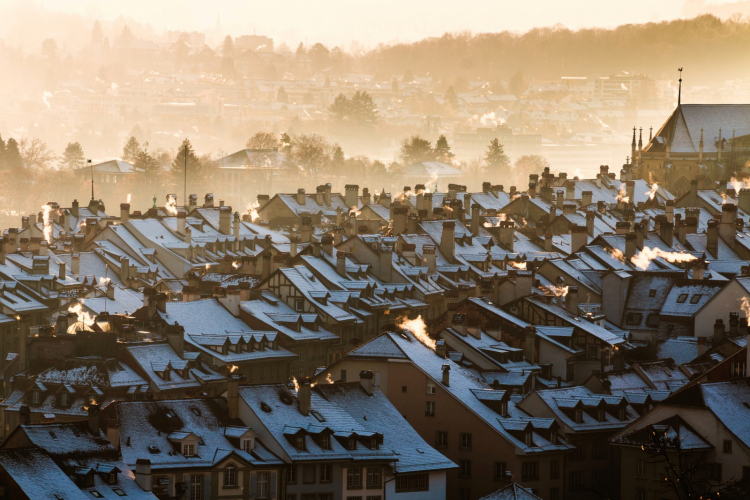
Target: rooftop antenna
[[679, 89], [184, 189], [92, 178]]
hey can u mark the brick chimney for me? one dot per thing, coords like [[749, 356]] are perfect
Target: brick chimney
[[630, 245], [124, 212], [430, 259], [448, 241], [304, 395], [666, 233], [341, 263], [351, 195], [367, 381], [586, 198], [727, 226], [507, 234], [446, 369], [225, 220], [571, 300], [400, 215], [181, 221]]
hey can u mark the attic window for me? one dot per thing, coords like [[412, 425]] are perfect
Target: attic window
[[682, 298], [633, 318], [300, 443], [600, 415], [527, 438], [119, 492], [196, 411], [351, 444], [325, 441], [318, 416], [188, 449], [652, 292], [695, 298], [579, 416]]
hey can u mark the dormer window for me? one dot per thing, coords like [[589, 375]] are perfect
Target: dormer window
[[374, 443], [299, 443], [504, 408], [325, 441], [247, 444], [351, 444], [578, 416], [621, 413], [111, 478], [553, 436], [527, 438], [188, 449], [36, 397], [63, 399], [600, 415]]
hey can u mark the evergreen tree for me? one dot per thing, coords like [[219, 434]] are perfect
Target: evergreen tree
[[281, 95], [227, 49], [13, 159], [131, 150], [516, 84], [340, 108], [194, 166], [300, 51], [495, 158], [338, 160], [416, 149], [394, 86], [73, 157], [363, 109], [2, 153], [443, 151], [451, 98]]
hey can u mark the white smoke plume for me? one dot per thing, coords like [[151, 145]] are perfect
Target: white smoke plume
[[645, 256], [233, 368], [83, 316], [652, 192], [622, 195], [559, 291], [252, 209], [617, 254], [171, 205], [738, 184], [419, 329], [128, 198], [45, 96], [746, 307], [47, 223], [517, 265], [235, 265], [488, 120]]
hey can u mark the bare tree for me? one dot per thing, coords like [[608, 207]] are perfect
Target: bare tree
[[35, 153], [262, 140]]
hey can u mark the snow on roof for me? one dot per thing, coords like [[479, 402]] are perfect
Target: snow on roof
[[512, 492], [158, 357], [91, 372], [680, 349], [425, 170], [686, 299], [730, 402], [206, 316], [563, 401], [37, 475]]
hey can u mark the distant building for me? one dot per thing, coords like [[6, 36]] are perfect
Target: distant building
[[256, 43], [469, 146]]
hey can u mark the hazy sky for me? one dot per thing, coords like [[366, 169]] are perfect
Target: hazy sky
[[373, 21]]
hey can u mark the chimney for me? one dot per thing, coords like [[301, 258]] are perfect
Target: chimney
[[176, 338], [74, 209], [341, 263], [24, 415], [718, 331], [386, 263], [412, 224], [630, 191], [301, 196], [351, 195], [734, 324], [570, 190], [181, 221], [266, 269], [571, 300], [304, 395], [586, 198], [143, 473], [124, 212], [225, 220], [529, 350], [365, 196], [560, 199], [524, 281], [640, 234], [306, 231], [353, 224], [430, 260], [237, 228], [75, 263], [192, 202], [448, 241], [666, 233], [23, 341], [532, 189], [367, 381], [440, 349], [326, 244], [507, 234], [400, 215], [727, 227], [630, 246], [475, 219], [590, 219], [233, 395], [61, 271], [43, 246], [446, 369], [113, 433], [743, 200], [712, 238], [94, 418], [124, 268], [698, 269], [578, 238]]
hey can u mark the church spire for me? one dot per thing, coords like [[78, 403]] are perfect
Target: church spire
[[632, 146], [679, 89], [640, 142]]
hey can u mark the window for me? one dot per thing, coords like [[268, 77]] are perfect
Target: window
[[96, 494], [430, 409], [500, 469], [633, 318], [746, 474], [464, 441], [464, 468], [196, 487], [695, 298], [640, 468], [36, 397], [600, 415], [326, 473], [353, 477], [119, 492], [264, 485], [727, 446], [554, 494], [403, 389], [430, 388], [343, 375], [737, 368], [600, 448], [299, 305], [247, 445], [412, 482], [593, 351], [188, 450], [325, 441], [111, 478], [578, 415], [63, 399], [530, 471], [374, 497], [351, 444], [652, 292], [308, 473], [528, 438], [554, 469], [575, 480], [230, 476], [577, 452], [441, 439], [652, 320], [715, 472], [640, 494], [682, 298], [299, 443], [374, 477], [291, 475]]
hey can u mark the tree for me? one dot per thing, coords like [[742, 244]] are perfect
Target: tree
[[528, 164], [131, 149], [311, 153], [146, 162], [338, 160], [320, 56], [13, 159], [2, 153], [359, 111], [339, 109], [496, 160], [97, 36], [73, 157], [451, 98], [300, 51], [262, 140], [227, 49], [416, 149], [281, 95], [516, 84], [35, 154], [443, 151], [286, 143], [184, 155], [126, 36], [49, 49]]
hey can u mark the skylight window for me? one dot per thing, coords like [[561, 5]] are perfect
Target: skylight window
[[695, 298], [682, 298]]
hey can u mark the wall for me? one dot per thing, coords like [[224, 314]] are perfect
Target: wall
[[729, 299]]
